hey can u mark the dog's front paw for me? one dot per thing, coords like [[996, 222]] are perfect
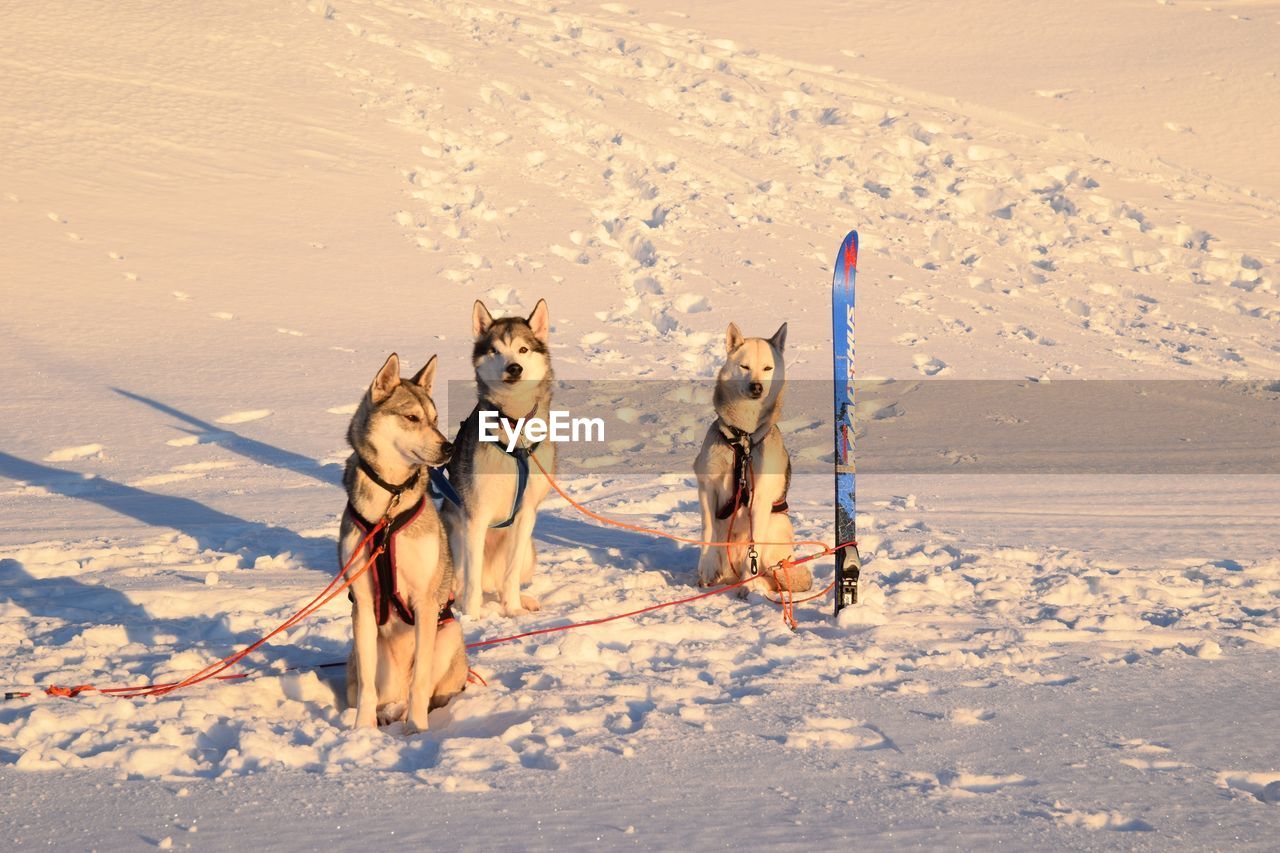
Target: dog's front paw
[[366, 718], [390, 713], [529, 603], [415, 723]]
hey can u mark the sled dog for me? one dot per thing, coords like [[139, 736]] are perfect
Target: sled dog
[[744, 470], [492, 532], [407, 654]]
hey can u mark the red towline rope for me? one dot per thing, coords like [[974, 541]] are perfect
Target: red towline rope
[[480, 644], [214, 670]]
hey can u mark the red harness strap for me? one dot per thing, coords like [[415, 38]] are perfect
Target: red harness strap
[[385, 594]]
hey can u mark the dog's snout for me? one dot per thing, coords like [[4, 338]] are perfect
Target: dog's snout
[[756, 389], [514, 369], [446, 450]]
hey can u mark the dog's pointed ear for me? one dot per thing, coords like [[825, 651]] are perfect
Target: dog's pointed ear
[[779, 339], [427, 375], [540, 322], [481, 319], [733, 338], [386, 380]]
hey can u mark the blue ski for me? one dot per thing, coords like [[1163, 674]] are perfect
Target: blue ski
[[848, 563]]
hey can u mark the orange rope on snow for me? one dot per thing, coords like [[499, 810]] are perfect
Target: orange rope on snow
[[335, 587], [479, 644], [603, 519], [787, 600], [214, 670]]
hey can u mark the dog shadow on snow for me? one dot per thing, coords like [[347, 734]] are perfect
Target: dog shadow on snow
[[250, 448], [618, 547], [606, 545], [212, 529], [78, 603]]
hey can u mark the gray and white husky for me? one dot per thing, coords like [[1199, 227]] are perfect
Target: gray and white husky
[[744, 470], [492, 533], [407, 654]]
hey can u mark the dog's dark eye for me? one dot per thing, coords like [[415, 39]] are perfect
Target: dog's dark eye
[[413, 419], [524, 349], [746, 367], [493, 350], [770, 367]]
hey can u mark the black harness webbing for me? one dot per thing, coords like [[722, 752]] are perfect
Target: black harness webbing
[[741, 445], [385, 594], [397, 491]]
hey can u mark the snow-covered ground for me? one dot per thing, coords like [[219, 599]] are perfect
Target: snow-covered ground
[[217, 219]]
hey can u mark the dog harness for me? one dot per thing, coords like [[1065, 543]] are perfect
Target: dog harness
[[441, 487], [386, 596], [740, 441]]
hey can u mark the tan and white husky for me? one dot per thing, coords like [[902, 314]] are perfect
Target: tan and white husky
[[744, 470], [407, 655], [492, 532]]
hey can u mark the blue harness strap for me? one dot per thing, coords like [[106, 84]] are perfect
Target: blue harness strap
[[521, 456], [439, 485]]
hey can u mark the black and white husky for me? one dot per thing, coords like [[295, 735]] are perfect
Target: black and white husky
[[407, 654], [492, 532], [744, 470]]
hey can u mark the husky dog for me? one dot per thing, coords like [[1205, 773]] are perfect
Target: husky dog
[[492, 532], [407, 655], [743, 468]]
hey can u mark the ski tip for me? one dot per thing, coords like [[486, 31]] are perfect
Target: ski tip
[[849, 251]]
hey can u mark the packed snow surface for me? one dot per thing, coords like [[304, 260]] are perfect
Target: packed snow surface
[[218, 219]]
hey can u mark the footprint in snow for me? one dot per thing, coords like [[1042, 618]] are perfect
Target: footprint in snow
[[244, 417], [1264, 787], [970, 716], [198, 438], [68, 454], [1097, 820], [962, 783], [836, 733], [930, 366]]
